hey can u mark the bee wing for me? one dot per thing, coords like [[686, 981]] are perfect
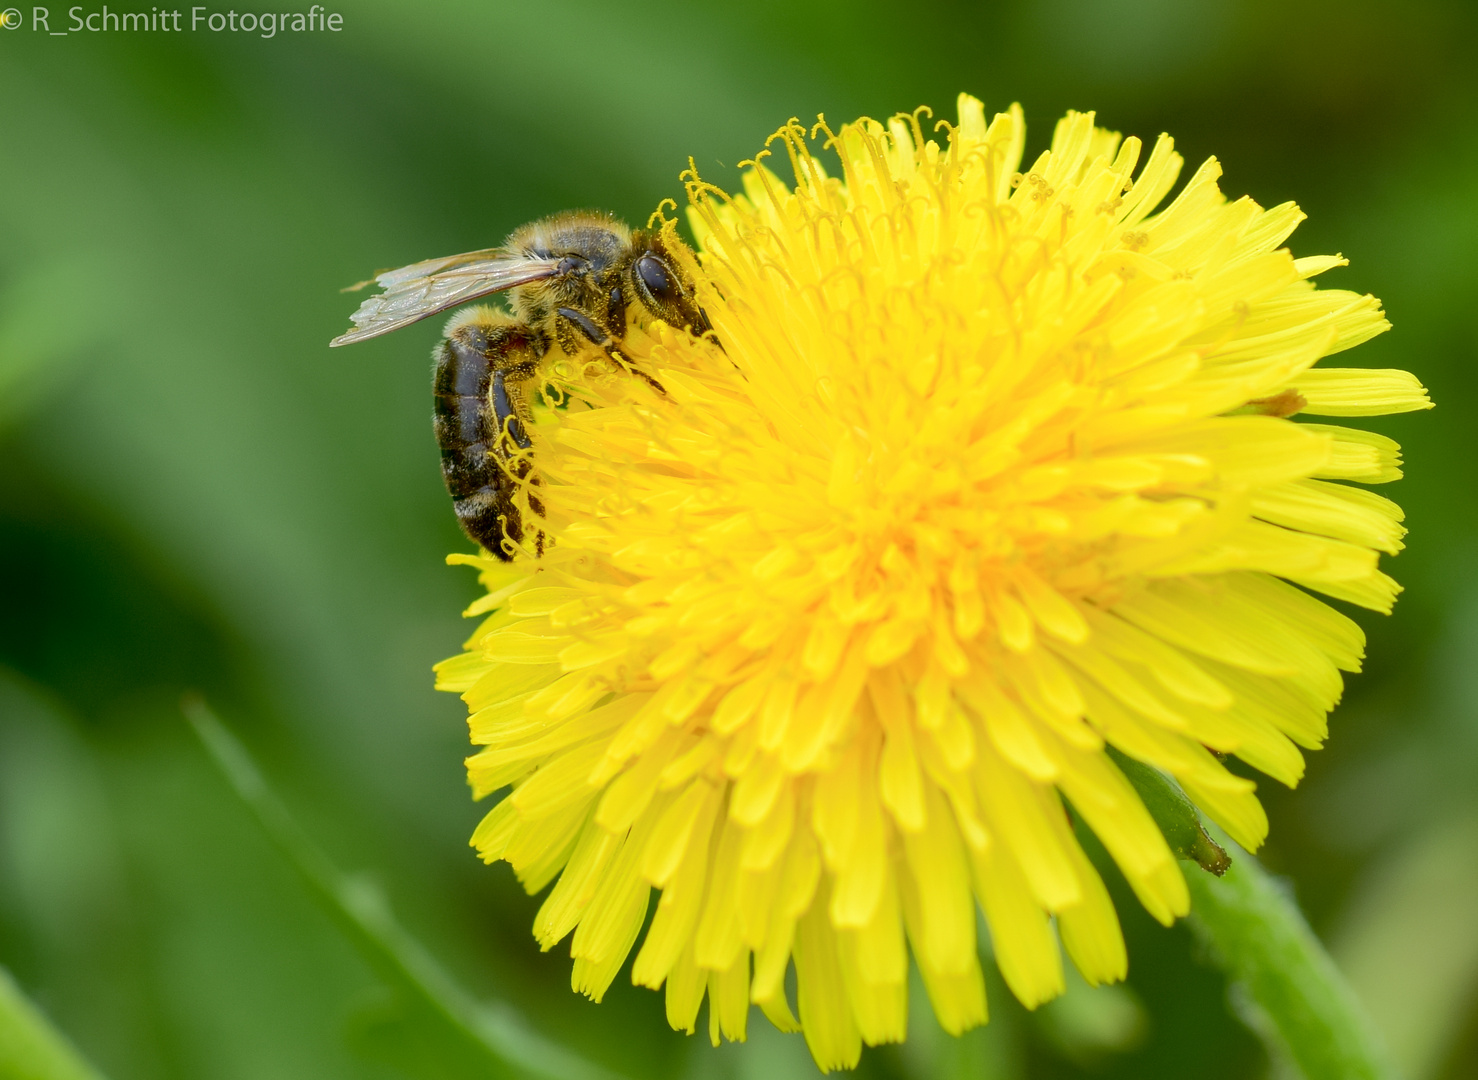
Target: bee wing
[[423, 289]]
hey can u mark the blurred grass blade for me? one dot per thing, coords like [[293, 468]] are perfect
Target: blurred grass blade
[[42, 341], [1408, 943], [498, 1031], [30, 1047], [1300, 1003]]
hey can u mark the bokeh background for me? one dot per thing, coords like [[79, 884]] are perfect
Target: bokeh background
[[196, 493]]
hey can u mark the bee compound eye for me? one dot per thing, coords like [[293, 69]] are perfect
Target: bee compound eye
[[657, 278]]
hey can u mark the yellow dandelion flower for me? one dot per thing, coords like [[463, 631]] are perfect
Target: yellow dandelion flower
[[991, 472]]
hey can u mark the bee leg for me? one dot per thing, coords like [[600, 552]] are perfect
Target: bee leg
[[628, 366], [507, 405], [703, 329], [484, 444], [596, 336]]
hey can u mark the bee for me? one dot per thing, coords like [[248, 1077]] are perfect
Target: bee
[[576, 281]]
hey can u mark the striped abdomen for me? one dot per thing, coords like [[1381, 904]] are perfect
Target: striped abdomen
[[478, 427]]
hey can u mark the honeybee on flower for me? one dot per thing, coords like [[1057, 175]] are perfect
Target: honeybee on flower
[[979, 473]]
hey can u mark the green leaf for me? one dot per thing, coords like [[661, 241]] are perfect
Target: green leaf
[[494, 1035], [30, 1047]]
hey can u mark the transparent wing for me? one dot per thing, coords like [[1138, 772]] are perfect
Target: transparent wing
[[423, 289]]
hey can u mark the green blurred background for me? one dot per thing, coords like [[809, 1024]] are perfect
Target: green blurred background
[[195, 492]]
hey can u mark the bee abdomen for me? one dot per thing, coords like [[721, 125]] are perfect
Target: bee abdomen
[[462, 418], [486, 516], [478, 429], [466, 469]]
